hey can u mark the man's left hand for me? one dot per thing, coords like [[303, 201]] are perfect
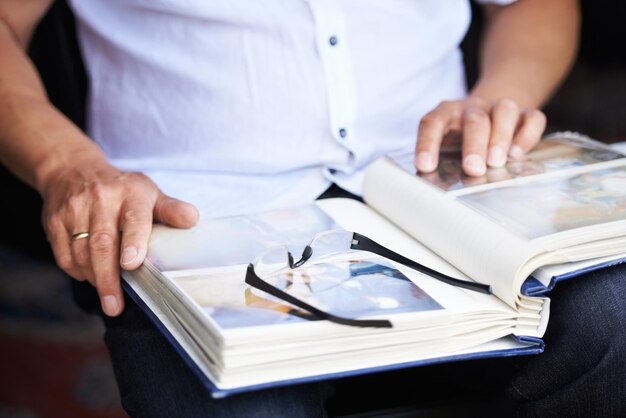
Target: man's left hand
[[491, 131]]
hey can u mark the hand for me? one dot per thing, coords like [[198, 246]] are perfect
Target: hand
[[113, 207], [490, 131]]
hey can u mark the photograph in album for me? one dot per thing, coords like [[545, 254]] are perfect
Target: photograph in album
[[555, 153], [548, 206], [352, 288]]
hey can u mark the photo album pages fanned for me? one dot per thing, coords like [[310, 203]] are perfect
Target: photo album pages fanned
[[556, 214]]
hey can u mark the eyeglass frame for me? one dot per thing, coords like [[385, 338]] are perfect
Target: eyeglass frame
[[362, 243]]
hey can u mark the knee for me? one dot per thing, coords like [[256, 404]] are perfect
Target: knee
[[585, 357], [588, 318]]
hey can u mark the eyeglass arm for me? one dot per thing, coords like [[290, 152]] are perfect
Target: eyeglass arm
[[255, 281], [363, 243]]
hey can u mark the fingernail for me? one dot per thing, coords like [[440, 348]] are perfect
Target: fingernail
[[425, 162], [129, 255], [516, 152], [496, 156], [474, 165], [110, 305]]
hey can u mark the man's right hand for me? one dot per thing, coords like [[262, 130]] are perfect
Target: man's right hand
[[81, 191], [117, 210]]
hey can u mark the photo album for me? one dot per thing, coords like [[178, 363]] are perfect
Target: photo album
[[429, 268]]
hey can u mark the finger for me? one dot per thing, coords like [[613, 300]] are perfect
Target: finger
[[82, 258], [59, 241], [135, 224], [104, 254], [432, 129], [175, 212], [77, 221], [504, 119], [476, 134], [80, 255], [533, 124]]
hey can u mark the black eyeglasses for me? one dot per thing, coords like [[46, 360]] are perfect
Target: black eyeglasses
[[277, 260]]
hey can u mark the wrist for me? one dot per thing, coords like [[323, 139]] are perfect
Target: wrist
[[80, 164], [491, 91], [37, 142]]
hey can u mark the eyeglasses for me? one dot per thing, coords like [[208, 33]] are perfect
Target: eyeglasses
[[279, 260]]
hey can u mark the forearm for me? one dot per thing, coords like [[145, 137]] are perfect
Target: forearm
[[527, 49], [36, 140]]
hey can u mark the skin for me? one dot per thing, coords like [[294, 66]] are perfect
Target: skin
[[82, 192]]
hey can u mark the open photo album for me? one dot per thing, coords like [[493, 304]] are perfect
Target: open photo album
[[429, 268]]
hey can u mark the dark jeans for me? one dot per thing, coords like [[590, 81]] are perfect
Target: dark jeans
[[583, 369]]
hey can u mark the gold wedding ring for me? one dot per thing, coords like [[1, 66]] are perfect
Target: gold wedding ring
[[79, 235]]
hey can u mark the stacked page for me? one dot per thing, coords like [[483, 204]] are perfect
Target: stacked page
[[536, 218]]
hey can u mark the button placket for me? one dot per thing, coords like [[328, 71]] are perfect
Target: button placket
[[333, 48]]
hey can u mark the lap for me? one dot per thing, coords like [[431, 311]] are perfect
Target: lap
[[582, 370], [154, 381]]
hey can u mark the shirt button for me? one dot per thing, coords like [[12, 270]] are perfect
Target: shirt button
[[343, 133], [333, 40]]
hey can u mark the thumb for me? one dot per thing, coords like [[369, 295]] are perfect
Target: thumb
[[175, 212]]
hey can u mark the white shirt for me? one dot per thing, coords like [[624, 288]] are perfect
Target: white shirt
[[242, 106]]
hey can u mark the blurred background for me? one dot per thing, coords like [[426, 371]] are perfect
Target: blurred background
[[53, 362]]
